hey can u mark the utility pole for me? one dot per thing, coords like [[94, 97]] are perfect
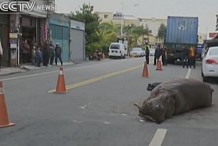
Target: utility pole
[[122, 20], [17, 27]]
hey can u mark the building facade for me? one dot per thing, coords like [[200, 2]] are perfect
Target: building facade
[[29, 25], [153, 24], [118, 18], [77, 41], [4, 38], [105, 16], [59, 26], [217, 21], [38, 27]]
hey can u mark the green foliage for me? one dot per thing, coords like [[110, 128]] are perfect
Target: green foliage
[[92, 22], [134, 32], [162, 31], [107, 33]]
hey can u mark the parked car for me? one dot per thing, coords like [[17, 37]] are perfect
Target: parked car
[[117, 50], [152, 51], [210, 63], [137, 52]]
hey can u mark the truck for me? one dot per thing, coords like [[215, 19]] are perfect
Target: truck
[[181, 31]]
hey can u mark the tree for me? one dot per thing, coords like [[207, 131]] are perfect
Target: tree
[[134, 32], [92, 22], [162, 31], [107, 33]]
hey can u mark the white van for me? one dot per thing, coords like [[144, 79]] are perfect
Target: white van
[[117, 50]]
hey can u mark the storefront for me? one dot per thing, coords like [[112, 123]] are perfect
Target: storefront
[[77, 41], [4, 33], [59, 26], [33, 30], [30, 26]]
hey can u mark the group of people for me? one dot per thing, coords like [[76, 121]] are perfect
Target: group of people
[[43, 54], [160, 52], [188, 56]]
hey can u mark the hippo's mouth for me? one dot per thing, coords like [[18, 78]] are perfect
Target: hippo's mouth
[[147, 118]]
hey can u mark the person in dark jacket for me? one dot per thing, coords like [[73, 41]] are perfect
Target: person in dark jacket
[[58, 52], [39, 57], [52, 53], [164, 55], [185, 52], [157, 54], [147, 53], [45, 52]]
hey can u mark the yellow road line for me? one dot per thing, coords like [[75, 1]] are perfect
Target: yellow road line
[[79, 84]]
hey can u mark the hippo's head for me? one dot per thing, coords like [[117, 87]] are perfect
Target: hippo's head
[[152, 111], [158, 107]]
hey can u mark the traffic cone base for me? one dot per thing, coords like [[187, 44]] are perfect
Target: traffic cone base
[[60, 92], [159, 68], [4, 120], [61, 87], [9, 125], [145, 71]]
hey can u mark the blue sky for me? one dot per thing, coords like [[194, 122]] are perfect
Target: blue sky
[[206, 10]]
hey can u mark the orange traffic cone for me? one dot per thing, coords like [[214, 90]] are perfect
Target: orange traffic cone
[[61, 87], [159, 66], [145, 70], [4, 120]]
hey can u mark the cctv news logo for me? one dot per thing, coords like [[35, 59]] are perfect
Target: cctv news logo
[[24, 6]]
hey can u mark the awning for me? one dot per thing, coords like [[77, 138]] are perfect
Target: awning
[[42, 14]]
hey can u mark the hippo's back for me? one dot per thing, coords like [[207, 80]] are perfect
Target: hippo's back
[[188, 93]]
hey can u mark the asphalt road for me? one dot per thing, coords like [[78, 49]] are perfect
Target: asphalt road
[[98, 108]]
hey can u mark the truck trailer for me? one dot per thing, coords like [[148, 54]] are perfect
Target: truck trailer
[[181, 31]]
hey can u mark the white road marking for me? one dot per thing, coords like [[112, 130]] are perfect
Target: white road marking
[[77, 122], [188, 73], [158, 137], [124, 114], [83, 107], [107, 123]]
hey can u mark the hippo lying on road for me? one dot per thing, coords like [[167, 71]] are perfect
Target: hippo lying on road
[[175, 97]]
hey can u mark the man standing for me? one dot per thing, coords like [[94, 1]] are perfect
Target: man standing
[[147, 53], [52, 52], [25, 51], [185, 61], [164, 55], [157, 54], [58, 52], [45, 52], [192, 56]]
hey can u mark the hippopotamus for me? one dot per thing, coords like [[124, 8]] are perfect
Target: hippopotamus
[[175, 97]]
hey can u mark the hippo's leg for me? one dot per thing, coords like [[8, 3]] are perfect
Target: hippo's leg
[[170, 107], [170, 113]]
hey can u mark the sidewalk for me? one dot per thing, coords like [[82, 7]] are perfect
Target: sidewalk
[[28, 67], [10, 70], [24, 68]]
